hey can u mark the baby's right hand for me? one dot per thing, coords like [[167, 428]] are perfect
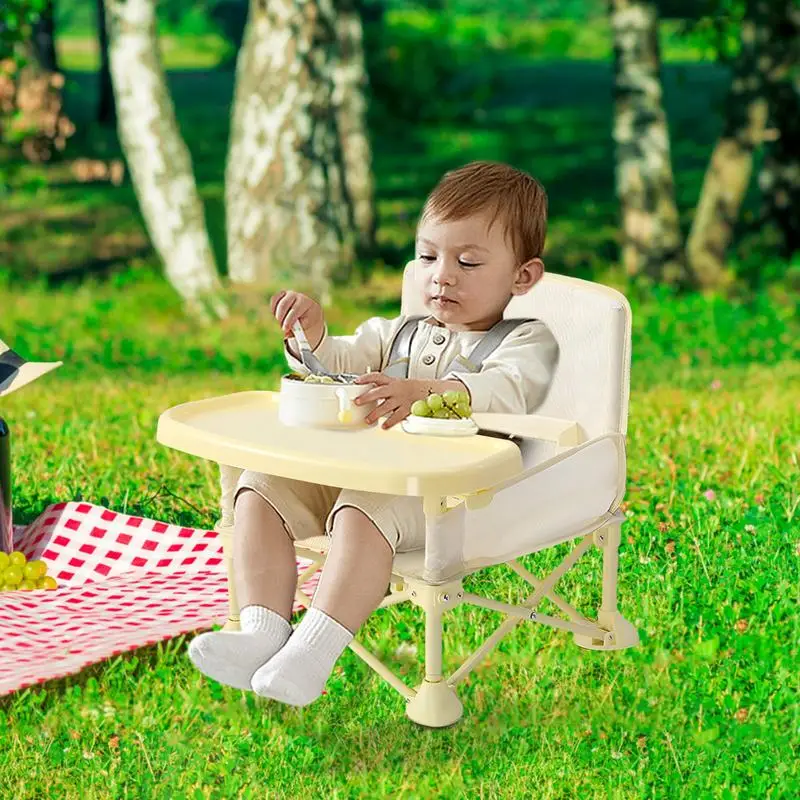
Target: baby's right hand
[[290, 307]]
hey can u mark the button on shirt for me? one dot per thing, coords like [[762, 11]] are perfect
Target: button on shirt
[[514, 379]]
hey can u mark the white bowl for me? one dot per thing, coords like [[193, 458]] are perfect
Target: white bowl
[[322, 405], [431, 426]]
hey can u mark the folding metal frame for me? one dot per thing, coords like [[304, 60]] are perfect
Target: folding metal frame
[[435, 703]]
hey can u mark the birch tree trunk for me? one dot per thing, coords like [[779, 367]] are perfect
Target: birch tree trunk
[[157, 156], [350, 98], [288, 218], [729, 171], [652, 243]]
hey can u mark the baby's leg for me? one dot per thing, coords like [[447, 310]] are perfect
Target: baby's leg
[[264, 563], [357, 570], [266, 576], [353, 584]]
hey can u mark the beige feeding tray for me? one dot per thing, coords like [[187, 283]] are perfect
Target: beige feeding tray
[[303, 404]]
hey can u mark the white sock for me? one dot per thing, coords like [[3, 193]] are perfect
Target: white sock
[[298, 673], [231, 657]]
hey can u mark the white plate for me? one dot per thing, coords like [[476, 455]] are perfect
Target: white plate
[[439, 427]]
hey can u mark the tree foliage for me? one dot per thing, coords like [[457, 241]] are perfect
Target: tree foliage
[[17, 18], [31, 102]]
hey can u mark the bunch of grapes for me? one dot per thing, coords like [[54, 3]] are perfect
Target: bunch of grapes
[[16, 572], [450, 405]]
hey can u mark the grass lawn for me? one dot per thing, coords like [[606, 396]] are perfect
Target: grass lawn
[[705, 707], [709, 568]]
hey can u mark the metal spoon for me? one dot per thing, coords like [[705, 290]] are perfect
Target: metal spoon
[[311, 362]]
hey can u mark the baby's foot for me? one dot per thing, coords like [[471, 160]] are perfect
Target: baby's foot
[[231, 657], [297, 675]]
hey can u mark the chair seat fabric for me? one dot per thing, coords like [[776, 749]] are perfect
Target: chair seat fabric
[[554, 499]]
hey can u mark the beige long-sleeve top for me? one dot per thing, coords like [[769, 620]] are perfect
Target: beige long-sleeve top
[[514, 379]]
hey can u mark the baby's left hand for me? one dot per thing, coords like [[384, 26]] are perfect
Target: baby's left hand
[[397, 395]]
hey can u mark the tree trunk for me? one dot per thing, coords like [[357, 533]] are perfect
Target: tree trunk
[[780, 176], [286, 200], [729, 171], [106, 110], [652, 244], [43, 39], [350, 88], [158, 159], [779, 179]]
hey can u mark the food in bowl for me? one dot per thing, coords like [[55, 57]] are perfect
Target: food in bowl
[[319, 403], [447, 414]]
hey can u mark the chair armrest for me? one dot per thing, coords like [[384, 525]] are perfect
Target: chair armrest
[[563, 432]]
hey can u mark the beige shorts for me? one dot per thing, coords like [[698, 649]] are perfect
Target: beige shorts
[[308, 509]]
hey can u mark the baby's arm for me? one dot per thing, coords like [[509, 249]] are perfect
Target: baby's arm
[[516, 377], [361, 352]]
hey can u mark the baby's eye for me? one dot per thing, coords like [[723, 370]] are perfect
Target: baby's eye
[[467, 263], [425, 257]]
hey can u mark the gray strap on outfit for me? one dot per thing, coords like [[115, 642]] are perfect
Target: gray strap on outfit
[[400, 351]]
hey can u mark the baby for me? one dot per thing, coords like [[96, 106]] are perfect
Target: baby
[[479, 242]]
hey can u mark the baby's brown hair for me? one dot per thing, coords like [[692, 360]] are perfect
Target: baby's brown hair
[[508, 192]]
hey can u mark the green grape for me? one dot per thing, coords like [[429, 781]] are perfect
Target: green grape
[[463, 410], [12, 575], [34, 570], [420, 409], [435, 401], [27, 586], [451, 397], [463, 397], [441, 413], [17, 558], [47, 582], [4, 560]]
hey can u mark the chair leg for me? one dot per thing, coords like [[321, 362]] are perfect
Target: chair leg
[[228, 479], [435, 703], [622, 633], [226, 534]]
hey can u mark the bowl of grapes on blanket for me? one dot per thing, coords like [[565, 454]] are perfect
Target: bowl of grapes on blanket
[[447, 414]]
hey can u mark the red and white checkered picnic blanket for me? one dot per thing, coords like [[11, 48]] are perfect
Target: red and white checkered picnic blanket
[[123, 582]]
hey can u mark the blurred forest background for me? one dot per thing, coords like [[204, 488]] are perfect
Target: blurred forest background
[[229, 144]]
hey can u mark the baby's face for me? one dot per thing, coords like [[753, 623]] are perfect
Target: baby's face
[[467, 272]]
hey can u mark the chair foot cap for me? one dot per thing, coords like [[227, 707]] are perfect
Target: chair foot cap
[[621, 634], [435, 705]]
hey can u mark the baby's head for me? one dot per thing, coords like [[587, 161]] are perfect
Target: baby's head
[[479, 242]]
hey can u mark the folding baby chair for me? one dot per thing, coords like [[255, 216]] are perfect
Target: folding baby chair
[[572, 482]]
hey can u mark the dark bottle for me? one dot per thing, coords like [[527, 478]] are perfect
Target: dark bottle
[[6, 529]]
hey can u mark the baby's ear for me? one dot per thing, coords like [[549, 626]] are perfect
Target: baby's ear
[[530, 273]]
